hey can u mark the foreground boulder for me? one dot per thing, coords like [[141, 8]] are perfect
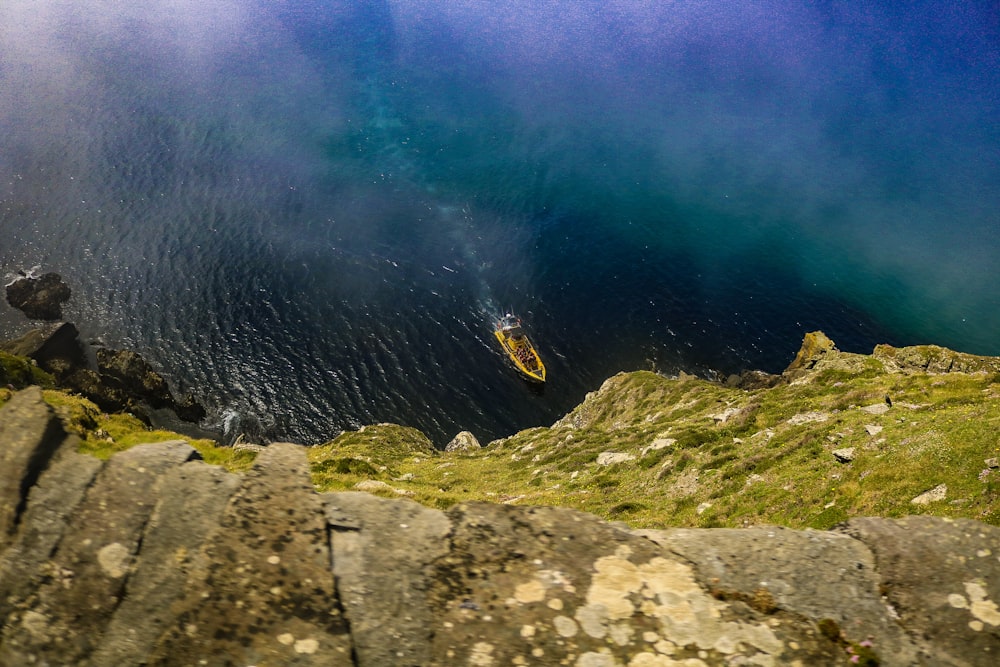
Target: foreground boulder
[[39, 298], [156, 558]]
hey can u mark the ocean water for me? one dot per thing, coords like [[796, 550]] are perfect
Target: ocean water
[[309, 213]]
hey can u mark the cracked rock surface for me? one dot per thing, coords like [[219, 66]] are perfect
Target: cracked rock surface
[[156, 558]]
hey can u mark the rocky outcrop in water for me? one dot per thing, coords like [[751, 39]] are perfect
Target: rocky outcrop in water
[[39, 298], [119, 381], [155, 558]]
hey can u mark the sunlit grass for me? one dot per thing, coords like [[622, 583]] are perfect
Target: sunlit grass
[[699, 453]]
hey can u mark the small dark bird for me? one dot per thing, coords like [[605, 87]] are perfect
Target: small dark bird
[[888, 401]]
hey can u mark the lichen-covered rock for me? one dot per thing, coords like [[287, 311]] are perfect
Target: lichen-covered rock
[[775, 570], [191, 500], [463, 442], [933, 359], [815, 345], [391, 622], [942, 579], [155, 558], [86, 575], [39, 298], [29, 437], [262, 590]]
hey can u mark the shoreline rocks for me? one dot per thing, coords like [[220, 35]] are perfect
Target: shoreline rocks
[[120, 381], [39, 298]]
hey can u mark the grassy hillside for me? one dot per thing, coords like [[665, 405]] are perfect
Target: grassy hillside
[[655, 451]]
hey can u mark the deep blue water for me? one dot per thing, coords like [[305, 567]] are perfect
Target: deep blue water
[[309, 212]]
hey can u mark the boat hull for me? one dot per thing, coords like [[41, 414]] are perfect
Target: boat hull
[[522, 354]]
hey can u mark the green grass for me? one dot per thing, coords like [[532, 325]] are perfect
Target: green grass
[[757, 466]]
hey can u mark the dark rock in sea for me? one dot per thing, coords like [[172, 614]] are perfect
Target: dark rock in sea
[[126, 373], [129, 372], [39, 298], [155, 558]]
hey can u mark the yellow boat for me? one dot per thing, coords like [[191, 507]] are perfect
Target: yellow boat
[[520, 350]]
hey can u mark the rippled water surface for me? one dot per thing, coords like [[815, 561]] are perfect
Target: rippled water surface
[[310, 213]]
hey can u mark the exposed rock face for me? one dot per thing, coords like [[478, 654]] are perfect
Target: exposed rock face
[[123, 380], [39, 298], [156, 558], [933, 359], [55, 347], [463, 442], [125, 373], [815, 345]]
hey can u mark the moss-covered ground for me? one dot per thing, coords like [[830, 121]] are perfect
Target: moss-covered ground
[[696, 453]]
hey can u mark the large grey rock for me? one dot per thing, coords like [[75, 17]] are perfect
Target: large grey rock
[[263, 593], [390, 621], [155, 559], [942, 578], [463, 442], [554, 586], [779, 568], [85, 578], [51, 503], [191, 502], [30, 435]]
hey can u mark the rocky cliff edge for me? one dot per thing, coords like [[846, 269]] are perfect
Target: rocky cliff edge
[[155, 558]]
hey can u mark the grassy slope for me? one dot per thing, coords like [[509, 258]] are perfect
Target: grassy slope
[[704, 454]]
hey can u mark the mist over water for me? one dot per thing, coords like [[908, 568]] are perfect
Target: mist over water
[[309, 213]]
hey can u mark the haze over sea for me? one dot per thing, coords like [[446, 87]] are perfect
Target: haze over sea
[[309, 213]]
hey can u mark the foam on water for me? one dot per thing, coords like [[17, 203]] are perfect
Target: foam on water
[[310, 214]]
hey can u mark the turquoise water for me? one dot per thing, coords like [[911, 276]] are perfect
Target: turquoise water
[[310, 213]]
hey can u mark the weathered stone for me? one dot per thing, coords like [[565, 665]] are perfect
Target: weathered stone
[[390, 621], [725, 415], [89, 384], [611, 458], [264, 591], [815, 345], [30, 435], [807, 418], [942, 578], [780, 566], [658, 444], [873, 429], [875, 408], [39, 298], [131, 373], [56, 348], [463, 442], [992, 462], [845, 455], [932, 359], [554, 586], [52, 501], [124, 377], [191, 501], [939, 492], [87, 574]]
